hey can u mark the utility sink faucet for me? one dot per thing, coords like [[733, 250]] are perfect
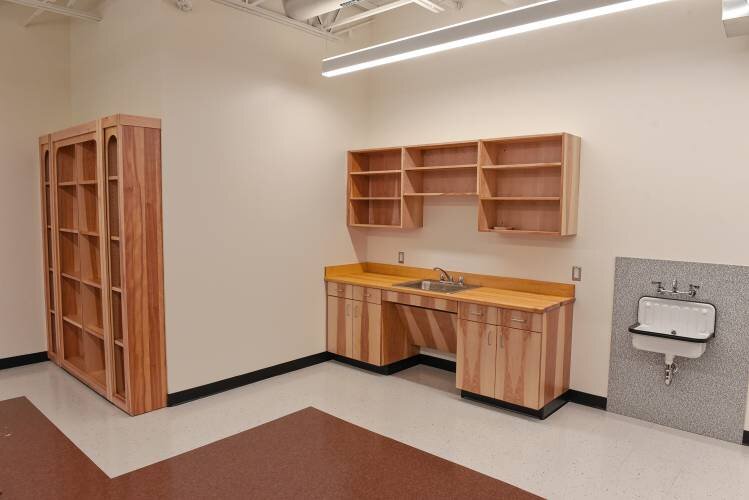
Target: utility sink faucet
[[444, 275]]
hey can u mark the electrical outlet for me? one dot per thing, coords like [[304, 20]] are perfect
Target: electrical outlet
[[401, 257], [577, 273]]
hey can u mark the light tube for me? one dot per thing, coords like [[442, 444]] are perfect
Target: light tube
[[534, 17]]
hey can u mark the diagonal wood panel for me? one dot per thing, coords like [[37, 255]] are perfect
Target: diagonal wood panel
[[430, 328]]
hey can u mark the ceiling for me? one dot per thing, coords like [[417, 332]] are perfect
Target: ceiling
[[330, 25]]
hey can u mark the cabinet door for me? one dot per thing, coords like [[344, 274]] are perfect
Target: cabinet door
[[476, 357], [340, 326], [519, 367], [366, 339]]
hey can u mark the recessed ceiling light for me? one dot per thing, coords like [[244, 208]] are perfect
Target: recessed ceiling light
[[512, 22]]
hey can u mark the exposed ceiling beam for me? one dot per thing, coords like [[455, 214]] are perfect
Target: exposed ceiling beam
[[39, 12], [384, 8], [273, 16], [353, 27], [430, 6], [58, 9]]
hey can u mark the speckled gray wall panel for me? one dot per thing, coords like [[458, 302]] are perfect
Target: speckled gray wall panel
[[708, 394]]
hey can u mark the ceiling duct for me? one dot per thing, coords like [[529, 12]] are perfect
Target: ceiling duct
[[736, 17], [301, 10]]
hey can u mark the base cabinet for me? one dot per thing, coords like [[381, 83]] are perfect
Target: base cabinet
[[340, 326], [366, 338], [499, 362], [354, 329], [518, 367], [513, 354], [476, 357]]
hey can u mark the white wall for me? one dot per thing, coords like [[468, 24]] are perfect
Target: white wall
[[659, 97], [34, 100], [253, 143]]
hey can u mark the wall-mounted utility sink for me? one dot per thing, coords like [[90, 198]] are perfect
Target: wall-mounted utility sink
[[673, 328]]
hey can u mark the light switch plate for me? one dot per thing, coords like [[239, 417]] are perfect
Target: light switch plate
[[577, 273], [401, 257]]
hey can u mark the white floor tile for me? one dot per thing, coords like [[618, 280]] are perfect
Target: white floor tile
[[578, 452]]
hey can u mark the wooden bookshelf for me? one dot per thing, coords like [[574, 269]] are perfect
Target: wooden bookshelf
[[101, 196], [48, 182], [528, 185], [524, 185]]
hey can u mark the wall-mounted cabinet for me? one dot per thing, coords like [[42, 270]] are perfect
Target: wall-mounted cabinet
[[525, 185], [529, 185], [101, 191]]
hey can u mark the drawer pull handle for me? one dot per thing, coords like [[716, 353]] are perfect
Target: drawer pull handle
[[518, 320], [476, 313]]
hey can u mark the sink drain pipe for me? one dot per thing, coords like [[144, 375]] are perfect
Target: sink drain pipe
[[671, 368]]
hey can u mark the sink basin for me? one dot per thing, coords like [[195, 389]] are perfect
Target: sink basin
[[673, 327], [436, 286]]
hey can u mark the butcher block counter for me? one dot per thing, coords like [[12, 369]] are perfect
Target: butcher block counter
[[510, 293]]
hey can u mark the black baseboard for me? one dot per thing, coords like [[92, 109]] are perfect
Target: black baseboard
[[541, 414], [219, 386], [435, 362], [24, 359], [586, 399], [419, 359], [745, 441], [382, 370]]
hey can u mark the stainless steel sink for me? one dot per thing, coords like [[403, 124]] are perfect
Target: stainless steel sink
[[436, 286]]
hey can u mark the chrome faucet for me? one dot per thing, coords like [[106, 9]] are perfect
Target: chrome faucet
[[693, 289], [444, 275]]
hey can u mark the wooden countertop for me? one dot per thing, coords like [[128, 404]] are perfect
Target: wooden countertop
[[486, 295]]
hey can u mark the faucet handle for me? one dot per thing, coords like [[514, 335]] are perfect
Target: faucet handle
[[693, 289]]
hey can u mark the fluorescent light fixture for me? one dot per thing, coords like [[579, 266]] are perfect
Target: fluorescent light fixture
[[540, 15], [736, 17]]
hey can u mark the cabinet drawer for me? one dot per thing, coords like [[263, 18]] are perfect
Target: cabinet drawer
[[341, 290], [372, 295], [476, 312], [521, 320]]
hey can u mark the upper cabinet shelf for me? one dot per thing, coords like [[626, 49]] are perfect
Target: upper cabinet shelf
[[377, 172], [522, 166], [375, 160], [525, 185], [440, 169]]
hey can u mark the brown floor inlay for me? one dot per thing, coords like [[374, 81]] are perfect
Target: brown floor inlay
[[308, 454]]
